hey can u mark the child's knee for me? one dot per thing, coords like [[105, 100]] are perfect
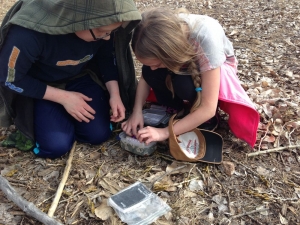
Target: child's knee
[[95, 138], [100, 137], [52, 150]]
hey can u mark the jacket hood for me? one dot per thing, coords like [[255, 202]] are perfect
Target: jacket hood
[[69, 16]]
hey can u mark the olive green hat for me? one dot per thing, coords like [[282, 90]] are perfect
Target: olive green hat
[[69, 16]]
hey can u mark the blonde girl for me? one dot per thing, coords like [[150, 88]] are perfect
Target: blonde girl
[[185, 57]]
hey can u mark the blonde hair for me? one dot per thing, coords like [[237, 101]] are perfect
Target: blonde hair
[[160, 36]]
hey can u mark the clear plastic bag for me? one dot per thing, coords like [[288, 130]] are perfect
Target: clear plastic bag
[[137, 205], [156, 116]]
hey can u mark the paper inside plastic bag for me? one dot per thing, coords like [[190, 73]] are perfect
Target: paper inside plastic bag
[[189, 143], [137, 205], [130, 197]]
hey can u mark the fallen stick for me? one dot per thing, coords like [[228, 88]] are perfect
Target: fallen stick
[[273, 150], [62, 182], [249, 213], [28, 207]]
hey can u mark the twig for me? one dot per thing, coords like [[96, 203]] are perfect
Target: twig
[[249, 213], [28, 207], [226, 191], [183, 182], [244, 166], [277, 142], [191, 171], [273, 150], [17, 213], [76, 208], [203, 210], [45, 200], [136, 160], [74, 195], [11, 180], [65, 212], [15, 182], [251, 217], [285, 199], [62, 182], [291, 134], [282, 159], [203, 177], [262, 178], [264, 136]]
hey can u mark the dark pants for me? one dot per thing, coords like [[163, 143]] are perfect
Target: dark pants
[[183, 86], [56, 129]]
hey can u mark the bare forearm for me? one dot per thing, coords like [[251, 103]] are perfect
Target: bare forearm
[[192, 120], [55, 94], [113, 88], [141, 94]]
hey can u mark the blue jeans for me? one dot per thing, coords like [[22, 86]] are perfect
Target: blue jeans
[[56, 130]]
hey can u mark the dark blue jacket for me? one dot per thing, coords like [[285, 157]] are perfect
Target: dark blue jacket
[[29, 60]]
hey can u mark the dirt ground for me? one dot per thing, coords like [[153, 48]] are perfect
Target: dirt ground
[[261, 189]]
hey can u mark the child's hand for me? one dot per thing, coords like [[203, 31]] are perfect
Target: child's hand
[[134, 122], [117, 108], [75, 104], [150, 134]]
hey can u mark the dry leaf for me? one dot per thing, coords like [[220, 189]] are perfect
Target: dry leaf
[[289, 74], [228, 167], [11, 173], [221, 202], [109, 185], [94, 155], [196, 185], [53, 175], [155, 176], [265, 213], [264, 84], [165, 184], [168, 216], [262, 171], [234, 32], [189, 194], [282, 219], [210, 216], [175, 165], [103, 211], [269, 139], [297, 191]]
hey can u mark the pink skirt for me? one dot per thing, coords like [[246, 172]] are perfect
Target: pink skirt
[[243, 117]]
